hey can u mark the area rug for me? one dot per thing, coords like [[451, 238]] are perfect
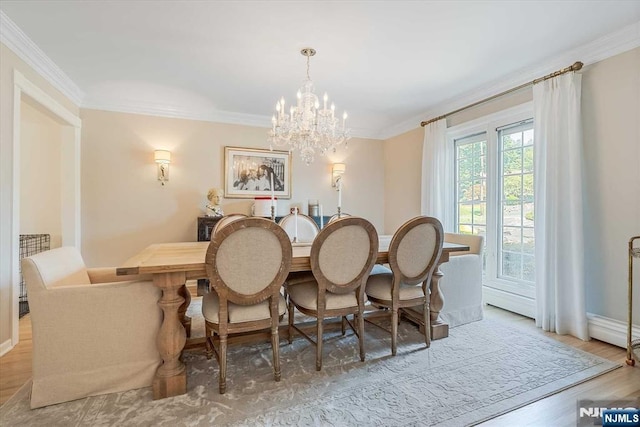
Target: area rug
[[480, 371]]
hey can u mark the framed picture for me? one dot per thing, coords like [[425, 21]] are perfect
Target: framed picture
[[249, 172]]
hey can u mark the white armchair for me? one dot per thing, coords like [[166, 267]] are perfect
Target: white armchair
[[93, 332], [461, 285]]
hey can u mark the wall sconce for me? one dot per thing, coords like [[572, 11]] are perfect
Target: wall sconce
[[162, 158], [336, 173]]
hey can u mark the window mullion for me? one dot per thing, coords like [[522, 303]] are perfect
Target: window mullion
[[492, 203]]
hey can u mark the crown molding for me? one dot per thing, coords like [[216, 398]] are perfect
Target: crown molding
[[215, 116], [173, 112], [15, 39], [620, 41]]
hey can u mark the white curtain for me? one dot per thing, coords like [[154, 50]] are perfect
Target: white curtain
[[436, 170], [558, 168]]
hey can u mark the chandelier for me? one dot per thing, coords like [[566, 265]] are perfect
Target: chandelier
[[307, 127]]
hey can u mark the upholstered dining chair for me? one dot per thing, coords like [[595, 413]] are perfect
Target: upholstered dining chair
[[92, 332], [307, 232], [225, 220], [247, 263], [413, 255], [342, 256], [336, 216], [307, 227]]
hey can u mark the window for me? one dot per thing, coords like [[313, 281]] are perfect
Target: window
[[516, 249], [471, 184], [493, 197]]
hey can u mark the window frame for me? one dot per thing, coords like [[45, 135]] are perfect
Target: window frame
[[526, 124], [490, 124]]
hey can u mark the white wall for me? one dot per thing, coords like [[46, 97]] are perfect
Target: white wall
[[124, 207], [40, 174]]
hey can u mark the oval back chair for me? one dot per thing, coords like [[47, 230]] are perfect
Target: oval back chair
[[336, 216], [342, 256], [307, 227], [247, 263], [413, 255], [225, 220]]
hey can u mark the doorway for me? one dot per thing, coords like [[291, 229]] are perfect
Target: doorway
[[31, 101]]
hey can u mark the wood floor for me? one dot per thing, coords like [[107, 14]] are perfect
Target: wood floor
[[557, 410], [15, 366]]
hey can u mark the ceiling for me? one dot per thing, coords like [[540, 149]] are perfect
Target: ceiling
[[389, 64]]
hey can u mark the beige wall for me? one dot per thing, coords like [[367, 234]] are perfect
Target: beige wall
[[402, 171], [611, 127], [124, 207], [40, 174], [8, 62]]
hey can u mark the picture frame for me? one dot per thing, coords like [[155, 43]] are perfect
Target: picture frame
[[248, 172]]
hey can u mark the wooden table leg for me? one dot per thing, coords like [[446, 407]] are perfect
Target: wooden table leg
[[171, 376], [439, 329], [182, 311]]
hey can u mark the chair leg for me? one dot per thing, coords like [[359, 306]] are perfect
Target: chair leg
[[319, 345], [394, 331], [360, 317], [208, 347], [223, 364], [344, 325], [427, 323], [275, 345], [291, 313], [208, 342]]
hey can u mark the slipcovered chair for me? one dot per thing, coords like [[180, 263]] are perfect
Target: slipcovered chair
[[247, 262], [413, 255], [225, 220], [307, 227], [461, 285], [342, 256], [93, 332]]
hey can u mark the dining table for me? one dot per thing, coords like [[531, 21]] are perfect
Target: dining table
[[172, 264]]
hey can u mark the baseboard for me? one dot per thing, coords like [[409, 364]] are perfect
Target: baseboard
[[610, 330], [601, 328], [5, 347], [508, 301]]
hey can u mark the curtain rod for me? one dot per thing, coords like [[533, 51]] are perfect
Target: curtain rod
[[575, 67]]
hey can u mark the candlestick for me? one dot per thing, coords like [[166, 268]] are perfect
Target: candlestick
[[272, 191], [321, 219], [339, 212], [295, 221], [339, 193]]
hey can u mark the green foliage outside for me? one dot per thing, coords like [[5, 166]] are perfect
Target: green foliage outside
[[516, 195]]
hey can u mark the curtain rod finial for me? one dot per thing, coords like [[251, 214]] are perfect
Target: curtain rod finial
[[577, 66]]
